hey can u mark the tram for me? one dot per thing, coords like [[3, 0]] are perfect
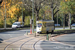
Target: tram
[[44, 26]]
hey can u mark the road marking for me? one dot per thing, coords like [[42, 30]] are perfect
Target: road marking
[[53, 39], [9, 35]]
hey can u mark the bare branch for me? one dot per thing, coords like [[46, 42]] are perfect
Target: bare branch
[[56, 12], [55, 7]]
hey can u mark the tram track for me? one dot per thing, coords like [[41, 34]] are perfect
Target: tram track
[[33, 45], [24, 43], [14, 42]]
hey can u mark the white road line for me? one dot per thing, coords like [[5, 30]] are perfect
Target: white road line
[[9, 35], [61, 42]]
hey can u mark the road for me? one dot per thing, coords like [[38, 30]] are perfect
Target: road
[[67, 39], [57, 28], [65, 42], [12, 34]]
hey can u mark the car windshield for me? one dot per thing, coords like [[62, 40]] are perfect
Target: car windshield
[[16, 23]]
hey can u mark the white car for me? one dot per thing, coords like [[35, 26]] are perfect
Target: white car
[[16, 25]]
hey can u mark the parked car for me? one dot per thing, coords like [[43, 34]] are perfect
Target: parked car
[[17, 25], [57, 24], [73, 25], [22, 26]]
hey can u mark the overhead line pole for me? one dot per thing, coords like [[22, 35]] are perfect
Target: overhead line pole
[[33, 17]]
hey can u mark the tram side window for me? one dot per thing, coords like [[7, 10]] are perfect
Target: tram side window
[[49, 24]]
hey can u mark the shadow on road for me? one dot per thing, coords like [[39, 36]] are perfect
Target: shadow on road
[[66, 41], [1, 40]]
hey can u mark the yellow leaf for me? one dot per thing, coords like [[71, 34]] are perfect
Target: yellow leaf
[[66, 0]]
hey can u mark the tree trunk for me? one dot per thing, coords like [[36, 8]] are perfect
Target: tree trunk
[[64, 21], [37, 15], [52, 14], [23, 18], [70, 20], [17, 18]]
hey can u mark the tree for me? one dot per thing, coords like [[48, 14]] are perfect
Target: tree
[[37, 6], [45, 13], [68, 7], [13, 9], [1, 1], [16, 10]]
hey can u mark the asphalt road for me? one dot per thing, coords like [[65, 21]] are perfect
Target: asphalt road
[[50, 45], [44, 45], [67, 39], [64, 42], [12, 34]]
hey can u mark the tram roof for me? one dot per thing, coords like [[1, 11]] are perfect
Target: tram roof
[[45, 20]]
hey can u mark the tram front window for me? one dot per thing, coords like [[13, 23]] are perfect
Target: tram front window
[[39, 25]]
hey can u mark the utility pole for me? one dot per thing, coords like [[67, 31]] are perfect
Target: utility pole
[[33, 18]]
